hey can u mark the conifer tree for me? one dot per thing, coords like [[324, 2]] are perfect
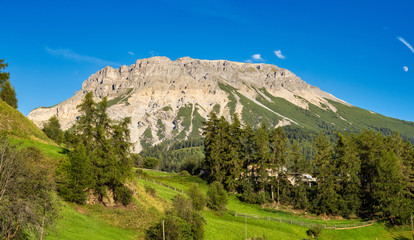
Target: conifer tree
[[249, 151], [233, 163], [299, 167], [213, 161], [262, 156], [52, 129], [7, 92], [277, 160], [326, 197], [348, 169], [107, 149]]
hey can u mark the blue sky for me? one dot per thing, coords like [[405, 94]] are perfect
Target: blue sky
[[360, 51]]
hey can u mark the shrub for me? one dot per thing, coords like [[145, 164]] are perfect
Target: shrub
[[248, 194], [150, 190], [151, 163], [181, 222], [314, 231], [217, 197], [198, 199], [123, 195], [184, 173]]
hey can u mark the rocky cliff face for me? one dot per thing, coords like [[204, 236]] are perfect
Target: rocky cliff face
[[169, 99]]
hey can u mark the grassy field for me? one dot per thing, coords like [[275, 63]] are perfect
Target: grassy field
[[227, 226], [98, 222], [75, 225]]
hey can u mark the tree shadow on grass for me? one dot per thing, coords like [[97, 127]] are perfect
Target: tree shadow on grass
[[401, 238]]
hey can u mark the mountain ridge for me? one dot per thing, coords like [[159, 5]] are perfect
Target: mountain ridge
[[169, 99]]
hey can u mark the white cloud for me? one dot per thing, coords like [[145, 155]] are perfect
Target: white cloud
[[248, 61], [279, 54], [131, 53], [257, 57], [406, 43], [69, 54], [154, 53], [405, 68]]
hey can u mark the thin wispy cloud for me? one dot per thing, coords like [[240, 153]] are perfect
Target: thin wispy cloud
[[405, 69], [154, 53], [279, 54], [257, 57], [248, 61], [406, 43], [131, 53], [71, 55]]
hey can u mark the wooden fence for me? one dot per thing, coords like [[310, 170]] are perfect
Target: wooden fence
[[340, 226]]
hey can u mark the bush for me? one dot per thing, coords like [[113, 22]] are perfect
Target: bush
[[314, 231], [248, 194], [217, 197], [184, 173], [150, 190], [151, 163], [123, 195], [181, 222], [198, 199]]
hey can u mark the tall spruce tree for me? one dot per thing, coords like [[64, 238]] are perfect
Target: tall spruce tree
[[249, 152], [233, 162], [298, 167], [213, 157], [277, 159], [262, 157], [7, 92], [348, 170], [326, 197]]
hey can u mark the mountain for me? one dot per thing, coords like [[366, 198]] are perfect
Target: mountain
[[170, 99]]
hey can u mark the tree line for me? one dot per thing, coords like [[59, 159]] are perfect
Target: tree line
[[364, 175]]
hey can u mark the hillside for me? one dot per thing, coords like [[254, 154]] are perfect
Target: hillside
[[98, 222], [15, 124], [170, 100]]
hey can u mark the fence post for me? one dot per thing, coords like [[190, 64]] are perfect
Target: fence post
[[245, 224], [163, 230], [291, 222]]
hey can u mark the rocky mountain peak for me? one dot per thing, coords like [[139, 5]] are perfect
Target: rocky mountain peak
[[166, 98]]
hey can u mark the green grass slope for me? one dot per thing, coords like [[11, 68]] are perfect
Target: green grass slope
[[15, 124], [228, 226]]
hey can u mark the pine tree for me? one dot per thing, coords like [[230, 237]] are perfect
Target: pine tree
[[326, 198], [233, 162], [277, 160], [7, 92], [348, 169], [262, 157], [249, 151], [369, 146], [299, 167], [53, 130], [213, 158]]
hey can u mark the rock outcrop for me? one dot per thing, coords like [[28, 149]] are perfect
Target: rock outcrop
[[165, 98]]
